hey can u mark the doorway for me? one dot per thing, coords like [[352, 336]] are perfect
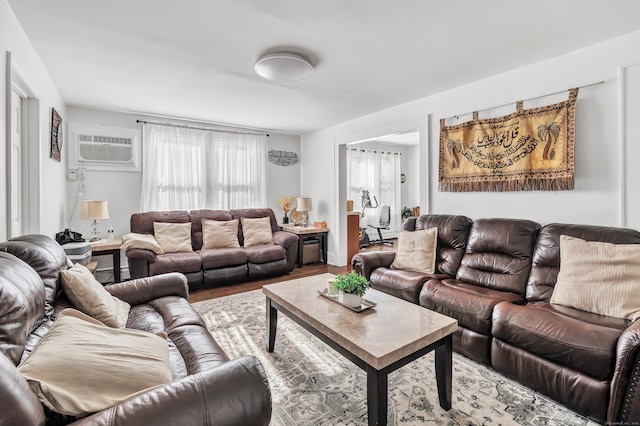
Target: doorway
[[415, 130]]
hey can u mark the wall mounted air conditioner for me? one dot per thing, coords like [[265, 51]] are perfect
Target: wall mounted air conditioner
[[104, 148]]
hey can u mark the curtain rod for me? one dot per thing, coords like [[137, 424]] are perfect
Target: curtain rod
[[529, 99], [191, 126]]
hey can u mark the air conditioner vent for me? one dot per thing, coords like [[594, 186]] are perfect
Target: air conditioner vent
[[105, 148]]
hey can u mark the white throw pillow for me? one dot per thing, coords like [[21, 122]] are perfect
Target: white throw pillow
[[597, 277], [82, 366], [257, 232], [173, 237], [140, 241], [89, 296], [219, 233], [416, 251]]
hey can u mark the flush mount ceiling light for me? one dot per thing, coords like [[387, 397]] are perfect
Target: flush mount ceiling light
[[283, 67]]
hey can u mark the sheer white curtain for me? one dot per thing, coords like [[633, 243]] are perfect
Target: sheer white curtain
[[189, 169], [379, 173]]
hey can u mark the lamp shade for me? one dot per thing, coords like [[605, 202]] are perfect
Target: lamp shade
[[94, 210], [304, 205]]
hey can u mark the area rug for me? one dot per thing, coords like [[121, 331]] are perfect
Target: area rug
[[311, 384]]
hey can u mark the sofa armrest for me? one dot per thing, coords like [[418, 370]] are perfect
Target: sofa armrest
[[234, 393], [364, 263], [624, 399], [289, 241], [142, 254], [144, 290]]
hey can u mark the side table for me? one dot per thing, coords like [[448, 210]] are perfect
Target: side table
[[308, 231], [105, 248]]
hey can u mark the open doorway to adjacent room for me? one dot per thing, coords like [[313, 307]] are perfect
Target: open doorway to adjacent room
[[381, 183]]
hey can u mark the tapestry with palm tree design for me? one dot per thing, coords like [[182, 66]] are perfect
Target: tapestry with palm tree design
[[528, 150]]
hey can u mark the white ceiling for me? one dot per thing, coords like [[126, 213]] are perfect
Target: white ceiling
[[194, 58]]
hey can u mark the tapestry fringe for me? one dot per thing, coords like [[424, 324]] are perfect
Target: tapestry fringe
[[531, 184]]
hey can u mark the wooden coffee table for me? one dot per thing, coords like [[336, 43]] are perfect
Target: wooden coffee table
[[378, 340]]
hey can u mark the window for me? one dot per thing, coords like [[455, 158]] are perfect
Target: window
[[190, 169]]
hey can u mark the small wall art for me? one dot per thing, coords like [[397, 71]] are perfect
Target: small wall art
[[56, 135], [282, 158]]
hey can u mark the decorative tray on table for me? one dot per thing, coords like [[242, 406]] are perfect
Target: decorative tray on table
[[366, 304]]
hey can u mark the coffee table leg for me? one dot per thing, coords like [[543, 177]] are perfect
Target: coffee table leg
[[377, 394], [272, 323], [444, 361]]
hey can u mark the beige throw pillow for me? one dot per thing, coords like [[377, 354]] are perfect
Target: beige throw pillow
[[257, 232], [602, 278], [173, 237], [219, 233], [140, 241], [89, 296], [416, 251], [81, 366]]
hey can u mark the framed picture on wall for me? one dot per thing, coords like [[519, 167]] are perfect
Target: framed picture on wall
[[56, 135]]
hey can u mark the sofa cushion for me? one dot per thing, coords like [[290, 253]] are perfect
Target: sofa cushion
[[499, 253], [81, 366], [140, 241], [219, 233], [265, 254], [256, 231], [601, 278], [471, 305], [222, 257], [22, 301], [574, 339], [546, 258], [176, 262], [89, 296], [416, 251], [173, 237], [453, 233]]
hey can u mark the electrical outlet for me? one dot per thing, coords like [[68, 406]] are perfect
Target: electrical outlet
[[72, 174]]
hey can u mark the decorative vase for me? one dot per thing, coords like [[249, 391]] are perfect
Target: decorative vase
[[350, 299], [285, 219]]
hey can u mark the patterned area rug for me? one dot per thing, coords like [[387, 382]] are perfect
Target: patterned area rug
[[311, 384]]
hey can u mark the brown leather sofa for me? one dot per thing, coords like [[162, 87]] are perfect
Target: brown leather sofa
[[496, 277], [213, 267], [207, 387]]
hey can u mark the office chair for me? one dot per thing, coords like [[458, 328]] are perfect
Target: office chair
[[385, 220]]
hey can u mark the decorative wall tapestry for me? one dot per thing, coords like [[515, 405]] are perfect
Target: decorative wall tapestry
[[527, 150], [282, 158]]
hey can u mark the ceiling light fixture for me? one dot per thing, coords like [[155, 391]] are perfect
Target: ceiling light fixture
[[283, 67]]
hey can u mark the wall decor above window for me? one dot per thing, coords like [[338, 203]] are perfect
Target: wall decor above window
[[527, 150], [282, 158]]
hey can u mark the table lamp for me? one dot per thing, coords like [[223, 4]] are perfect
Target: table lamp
[[94, 210], [304, 206]]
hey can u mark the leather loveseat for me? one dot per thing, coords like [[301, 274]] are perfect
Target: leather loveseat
[[218, 266], [496, 277], [207, 387]]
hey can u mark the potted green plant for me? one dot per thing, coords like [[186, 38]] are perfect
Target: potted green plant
[[351, 288]]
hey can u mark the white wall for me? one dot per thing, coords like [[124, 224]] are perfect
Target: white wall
[[123, 188], [52, 182], [598, 196]]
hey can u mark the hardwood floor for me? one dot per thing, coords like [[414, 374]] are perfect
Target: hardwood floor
[[306, 271]]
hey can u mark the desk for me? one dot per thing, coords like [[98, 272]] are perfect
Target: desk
[[105, 248], [309, 231]]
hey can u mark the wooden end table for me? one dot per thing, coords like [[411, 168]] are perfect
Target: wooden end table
[[378, 340], [112, 248], [308, 231]]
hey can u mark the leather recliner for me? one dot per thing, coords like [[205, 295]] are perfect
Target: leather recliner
[[207, 387]]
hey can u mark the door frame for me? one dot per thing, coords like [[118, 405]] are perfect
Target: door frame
[[31, 185]]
